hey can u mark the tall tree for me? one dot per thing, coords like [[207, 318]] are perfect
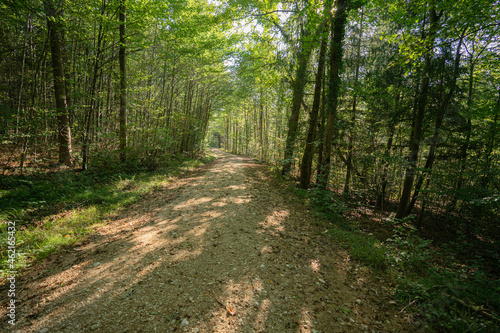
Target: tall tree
[[298, 93], [419, 113], [55, 26], [352, 124], [123, 80], [307, 157], [338, 22], [443, 106]]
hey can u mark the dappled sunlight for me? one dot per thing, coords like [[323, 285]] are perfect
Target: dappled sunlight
[[136, 256], [241, 199], [260, 319], [183, 182], [207, 259], [235, 187], [257, 285], [266, 249], [186, 254], [238, 297], [172, 224], [158, 235], [199, 230], [315, 265], [274, 222], [192, 202], [211, 214], [305, 321], [96, 288]]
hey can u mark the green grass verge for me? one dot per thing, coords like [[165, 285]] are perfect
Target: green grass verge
[[51, 211]]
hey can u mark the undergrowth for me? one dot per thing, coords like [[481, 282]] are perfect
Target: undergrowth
[[53, 210], [329, 207], [441, 291]]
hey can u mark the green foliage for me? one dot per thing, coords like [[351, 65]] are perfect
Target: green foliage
[[444, 293], [328, 205], [407, 252], [455, 299], [362, 247], [437, 288]]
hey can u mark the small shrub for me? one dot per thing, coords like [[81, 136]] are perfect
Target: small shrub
[[407, 252]]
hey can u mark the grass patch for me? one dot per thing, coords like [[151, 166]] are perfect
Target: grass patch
[[362, 247], [54, 210]]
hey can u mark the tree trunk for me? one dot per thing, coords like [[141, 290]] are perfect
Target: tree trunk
[[336, 51], [298, 92], [417, 131], [123, 81], [54, 16], [487, 174], [261, 125], [385, 169], [353, 115], [435, 137], [93, 87], [321, 131], [305, 167], [465, 146]]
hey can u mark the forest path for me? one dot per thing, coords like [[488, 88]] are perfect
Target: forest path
[[223, 249]]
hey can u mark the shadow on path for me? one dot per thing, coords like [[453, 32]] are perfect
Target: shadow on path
[[222, 250]]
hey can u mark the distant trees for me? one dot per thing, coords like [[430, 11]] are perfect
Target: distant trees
[[410, 120], [72, 74]]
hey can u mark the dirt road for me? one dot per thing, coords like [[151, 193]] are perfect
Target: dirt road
[[223, 249]]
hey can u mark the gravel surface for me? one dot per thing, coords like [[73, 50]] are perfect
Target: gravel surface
[[222, 249]]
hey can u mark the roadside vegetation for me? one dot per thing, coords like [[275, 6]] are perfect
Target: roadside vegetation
[[445, 286], [58, 208]]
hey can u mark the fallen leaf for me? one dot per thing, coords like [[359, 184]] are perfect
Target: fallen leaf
[[231, 311]]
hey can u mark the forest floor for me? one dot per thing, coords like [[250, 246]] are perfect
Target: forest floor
[[222, 249]]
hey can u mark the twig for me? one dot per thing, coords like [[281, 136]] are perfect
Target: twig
[[408, 305], [472, 307], [218, 301]]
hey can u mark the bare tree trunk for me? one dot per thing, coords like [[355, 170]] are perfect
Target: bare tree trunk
[[335, 58], [439, 121], [261, 128], [417, 132], [298, 92], [465, 146], [93, 87], [54, 16], [123, 81], [305, 167], [487, 174], [321, 131], [353, 115]]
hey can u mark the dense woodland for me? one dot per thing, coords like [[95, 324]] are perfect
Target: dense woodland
[[391, 105]]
